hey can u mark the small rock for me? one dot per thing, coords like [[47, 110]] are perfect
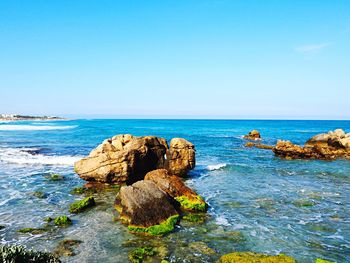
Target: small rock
[[82, 205], [67, 247], [253, 135]]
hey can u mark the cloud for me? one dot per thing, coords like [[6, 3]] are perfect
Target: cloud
[[312, 48]]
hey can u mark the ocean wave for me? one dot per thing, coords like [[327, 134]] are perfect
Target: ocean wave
[[24, 156], [34, 127], [214, 167]]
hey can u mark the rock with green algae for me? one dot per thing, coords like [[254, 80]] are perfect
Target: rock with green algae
[[139, 254], [31, 230], [62, 221], [304, 203], [175, 187], [195, 204], [195, 217], [164, 261], [54, 177], [14, 253], [146, 208], [67, 247], [39, 194], [323, 261], [201, 247], [251, 257], [82, 205], [157, 230]]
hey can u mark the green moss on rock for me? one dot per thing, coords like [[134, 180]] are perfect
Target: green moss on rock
[[13, 253], [62, 221], [139, 254], [34, 231], [39, 194], [323, 261], [304, 203], [48, 219], [195, 204], [82, 205], [250, 257], [194, 217], [157, 230], [55, 177]]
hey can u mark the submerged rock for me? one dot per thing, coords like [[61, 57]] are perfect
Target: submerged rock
[[253, 135], [323, 261], [82, 205], [139, 254], [39, 194], [174, 186], [146, 208], [326, 146], [31, 230], [67, 247], [125, 158], [201, 247], [250, 257], [258, 145], [62, 221]]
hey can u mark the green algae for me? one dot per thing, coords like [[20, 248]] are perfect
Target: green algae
[[14, 253], [34, 231], [201, 247], [82, 205], [195, 217], [48, 219], [195, 204], [54, 177], [322, 228], [62, 221], [323, 261], [245, 257], [139, 254], [39, 194], [304, 203], [164, 261], [157, 230], [67, 247]]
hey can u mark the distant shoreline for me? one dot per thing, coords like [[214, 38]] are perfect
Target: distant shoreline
[[4, 117]]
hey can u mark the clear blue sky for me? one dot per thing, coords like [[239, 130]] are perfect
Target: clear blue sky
[[218, 58]]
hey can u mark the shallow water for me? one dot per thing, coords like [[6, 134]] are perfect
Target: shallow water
[[257, 202]]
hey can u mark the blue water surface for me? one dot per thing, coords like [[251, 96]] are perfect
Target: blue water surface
[[257, 202]]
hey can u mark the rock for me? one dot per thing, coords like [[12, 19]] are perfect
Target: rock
[[146, 208], [82, 205], [253, 135], [66, 247], [62, 221], [125, 158], [245, 257], [180, 157], [174, 186], [39, 194], [201, 247], [328, 146], [139, 254], [258, 145], [54, 177], [34, 231]]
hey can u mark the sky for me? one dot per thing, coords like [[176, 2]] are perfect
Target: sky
[[176, 59]]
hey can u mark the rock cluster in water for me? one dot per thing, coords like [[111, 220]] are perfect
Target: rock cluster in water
[[155, 195], [328, 146], [125, 158]]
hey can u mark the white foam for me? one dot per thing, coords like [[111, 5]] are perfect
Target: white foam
[[19, 156], [220, 220], [34, 127], [216, 166]]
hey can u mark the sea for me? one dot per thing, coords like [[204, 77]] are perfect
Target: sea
[[257, 202]]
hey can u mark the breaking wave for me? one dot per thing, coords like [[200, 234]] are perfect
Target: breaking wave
[[214, 167], [25, 156]]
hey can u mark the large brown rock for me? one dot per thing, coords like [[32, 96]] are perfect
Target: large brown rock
[[175, 187], [123, 158], [146, 208], [180, 157]]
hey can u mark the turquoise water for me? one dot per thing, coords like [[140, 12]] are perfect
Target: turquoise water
[[255, 199]]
